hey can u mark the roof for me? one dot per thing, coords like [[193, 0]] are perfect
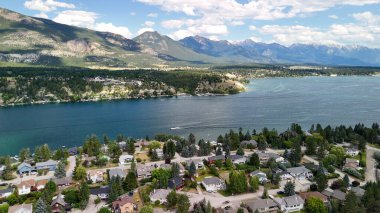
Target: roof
[[297, 170], [235, 157], [143, 170], [216, 157], [211, 180], [307, 195], [351, 160], [42, 182], [268, 155], [122, 200], [327, 192], [358, 191], [293, 200], [166, 166], [58, 200], [261, 203], [27, 183], [176, 180], [116, 172], [7, 190], [23, 165], [159, 194], [21, 208], [337, 194], [252, 142], [47, 163], [62, 181], [196, 161], [258, 173], [101, 190]]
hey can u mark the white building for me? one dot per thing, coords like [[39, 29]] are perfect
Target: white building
[[292, 203], [237, 159], [213, 184], [125, 159], [352, 152], [159, 195], [300, 172], [25, 187], [261, 175], [95, 176]]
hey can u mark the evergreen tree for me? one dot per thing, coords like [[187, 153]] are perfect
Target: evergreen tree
[[254, 182], [130, 183], [183, 204], [289, 189], [80, 173], [346, 180], [261, 143], [192, 169], [315, 205], [352, 204], [248, 136], [147, 209], [41, 207], [265, 193], [171, 199], [254, 160], [321, 178], [60, 171], [24, 154], [237, 182], [84, 195], [240, 151], [191, 138]]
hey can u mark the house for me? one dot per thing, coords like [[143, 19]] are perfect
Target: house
[[159, 195], [122, 145], [117, 172], [213, 143], [125, 159], [25, 187], [176, 183], [73, 151], [61, 182], [4, 193], [213, 184], [336, 194], [40, 184], [48, 165], [23, 208], [292, 203], [212, 159], [264, 157], [284, 175], [237, 159], [251, 144], [95, 176], [263, 206], [261, 175], [306, 195], [24, 168], [160, 153], [351, 163], [88, 161], [198, 163], [102, 192], [59, 203], [124, 204], [352, 152], [300, 172], [144, 171], [359, 192]]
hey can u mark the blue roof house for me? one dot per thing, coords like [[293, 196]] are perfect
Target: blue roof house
[[24, 168]]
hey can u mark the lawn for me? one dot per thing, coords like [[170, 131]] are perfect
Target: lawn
[[143, 156]]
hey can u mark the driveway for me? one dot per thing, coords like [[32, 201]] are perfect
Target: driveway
[[370, 173], [71, 166]]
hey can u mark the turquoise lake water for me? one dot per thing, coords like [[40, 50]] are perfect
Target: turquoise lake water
[[274, 103]]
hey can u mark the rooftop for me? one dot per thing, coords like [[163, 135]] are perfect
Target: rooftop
[[211, 180]]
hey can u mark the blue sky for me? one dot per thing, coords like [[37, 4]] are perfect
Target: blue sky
[[334, 22]]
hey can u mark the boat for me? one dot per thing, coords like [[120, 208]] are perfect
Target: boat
[[175, 128]]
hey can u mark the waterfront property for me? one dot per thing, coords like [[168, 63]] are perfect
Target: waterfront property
[[49, 165]]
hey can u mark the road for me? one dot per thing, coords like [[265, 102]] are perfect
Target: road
[[370, 173], [71, 166], [91, 207]]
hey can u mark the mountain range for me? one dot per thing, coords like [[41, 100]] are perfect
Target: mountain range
[[26, 41]]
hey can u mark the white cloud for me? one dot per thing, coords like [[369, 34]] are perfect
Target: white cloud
[[132, 13], [237, 23], [153, 15], [42, 15], [333, 17], [46, 5], [109, 27], [145, 29], [252, 27], [76, 18], [149, 23], [367, 18]]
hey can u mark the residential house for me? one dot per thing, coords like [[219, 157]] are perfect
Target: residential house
[[73, 151], [261, 175], [352, 152], [24, 168], [284, 175], [351, 163], [61, 182], [4, 193], [159, 195], [122, 145], [334, 194], [176, 183], [160, 153], [88, 161], [2, 168], [25, 187], [102, 192], [59, 203], [213, 143], [40, 184], [124, 204], [213, 184], [198, 163], [125, 159], [292, 203], [300, 172], [237, 159], [144, 171], [48, 165], [359, 192], [264, 157], [23, 208], [263, 206], [117, 172], [251, 144], [95, 176], [212, 159], [306, 195]]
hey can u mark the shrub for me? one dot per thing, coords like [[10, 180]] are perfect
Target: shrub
[[4, 207], [97, 200], [138, 160], [355, 183], [353, 172]]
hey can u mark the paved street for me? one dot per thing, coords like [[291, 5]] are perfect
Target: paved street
[[71, 166]]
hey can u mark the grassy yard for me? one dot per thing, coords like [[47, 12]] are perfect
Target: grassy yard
[[143, 156]]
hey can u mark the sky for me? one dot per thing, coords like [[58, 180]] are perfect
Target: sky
[[332, 22]]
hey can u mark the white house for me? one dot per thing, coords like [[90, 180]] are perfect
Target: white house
[[25, 187], [352, 152], [284, 175], [4, 193], [125, 159], [95, 176], [237, 159], [300, 172], [292, 203], [213, 184], [261, 175], [159, 195]]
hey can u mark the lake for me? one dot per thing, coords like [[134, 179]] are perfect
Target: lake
[[272, 103]]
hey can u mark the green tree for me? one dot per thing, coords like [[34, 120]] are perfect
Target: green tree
[[265, 193], [346, 180], [352, 204], [315, 205], [116, 188], [24, 154], [131, 147], [84, 195], [254, 182], [254, 160], [12, 199], [340, 154], [41, 207], [237, 182], [162, 176], [171, 199], [240, 151], [92, 146], [229, 164], [146, 209], [175, 170], [60, 171], [240, 210], [192, 169], [183, 204], [321, 178], [296, 154], [191, 138], [104, 210], [261, 143], [106, 140], [311, 146], [51, 187], [289, 189], [114, 150], [80, 173], [130, 183]]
